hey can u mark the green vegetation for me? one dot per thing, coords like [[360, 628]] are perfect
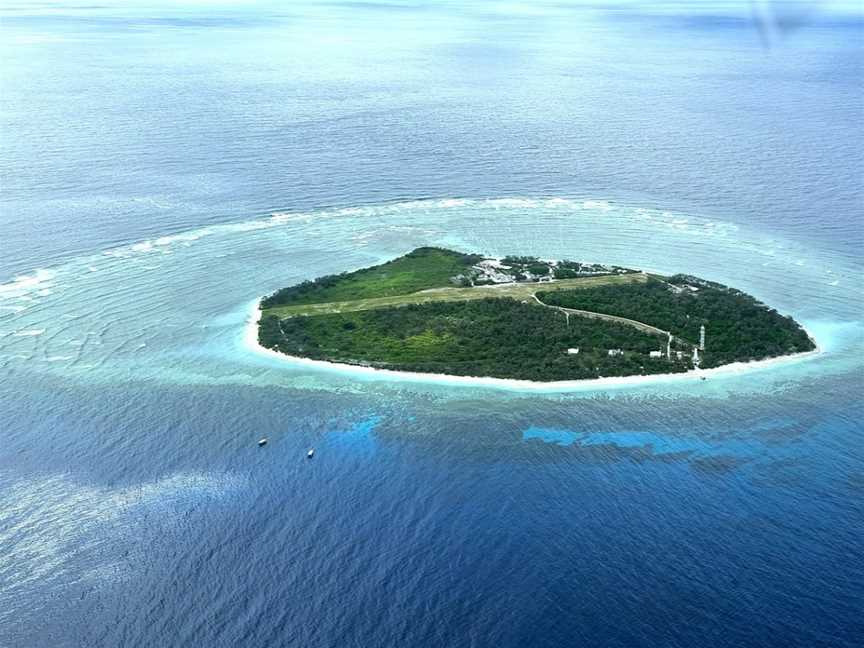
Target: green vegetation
[[528, 268], [737, 326], [418, 270], [433, 310], [571, 269], [429, 268], [522, 291], [487, 337]]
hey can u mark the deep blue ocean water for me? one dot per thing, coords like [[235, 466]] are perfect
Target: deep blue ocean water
[[164, 165]]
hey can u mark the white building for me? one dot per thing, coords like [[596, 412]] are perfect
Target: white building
[[492, 270], [615, 352], [573, 351], [655, 354]]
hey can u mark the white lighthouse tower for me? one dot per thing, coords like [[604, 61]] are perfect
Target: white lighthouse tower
[[702, 338]]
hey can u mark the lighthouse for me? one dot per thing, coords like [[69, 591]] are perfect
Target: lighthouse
[[702, 338]]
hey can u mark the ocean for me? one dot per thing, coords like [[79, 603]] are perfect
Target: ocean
[[163, 165]]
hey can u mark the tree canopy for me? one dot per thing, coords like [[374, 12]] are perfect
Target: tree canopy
[[506, 337], [737, 326], [502, 338]]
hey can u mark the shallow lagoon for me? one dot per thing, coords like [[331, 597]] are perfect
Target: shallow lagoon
[[150, 304], [163, 184], [141, 472]]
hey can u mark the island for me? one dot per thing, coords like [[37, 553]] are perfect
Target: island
[[441, 311]]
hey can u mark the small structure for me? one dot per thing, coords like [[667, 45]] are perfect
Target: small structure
[[492, 271], [655, 354], [679, 355], [615, 352], [573, 351], [702, 338]]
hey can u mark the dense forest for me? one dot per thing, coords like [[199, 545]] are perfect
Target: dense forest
[[506, 338], [737, 326], [503, 338]]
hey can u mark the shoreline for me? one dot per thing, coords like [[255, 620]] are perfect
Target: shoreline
[[250, 342]]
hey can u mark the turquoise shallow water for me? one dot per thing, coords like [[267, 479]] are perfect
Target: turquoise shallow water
[[163, 166], [131, 471], [163, 307]]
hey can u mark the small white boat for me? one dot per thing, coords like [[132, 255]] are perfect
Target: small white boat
[[310, 454], [262, 442]]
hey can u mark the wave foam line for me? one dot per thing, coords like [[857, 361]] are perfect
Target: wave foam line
[[23, 285], [281, 218]]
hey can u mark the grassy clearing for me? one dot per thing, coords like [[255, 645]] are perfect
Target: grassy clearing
[[498, 337], [520, 291], [418, 270], [419, 313]]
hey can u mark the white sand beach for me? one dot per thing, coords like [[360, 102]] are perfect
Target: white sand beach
[[250, 342]]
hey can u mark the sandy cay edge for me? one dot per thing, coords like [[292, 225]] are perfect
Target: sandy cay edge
[[250, 342]]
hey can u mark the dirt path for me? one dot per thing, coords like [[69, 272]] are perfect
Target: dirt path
[[646, 328]]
